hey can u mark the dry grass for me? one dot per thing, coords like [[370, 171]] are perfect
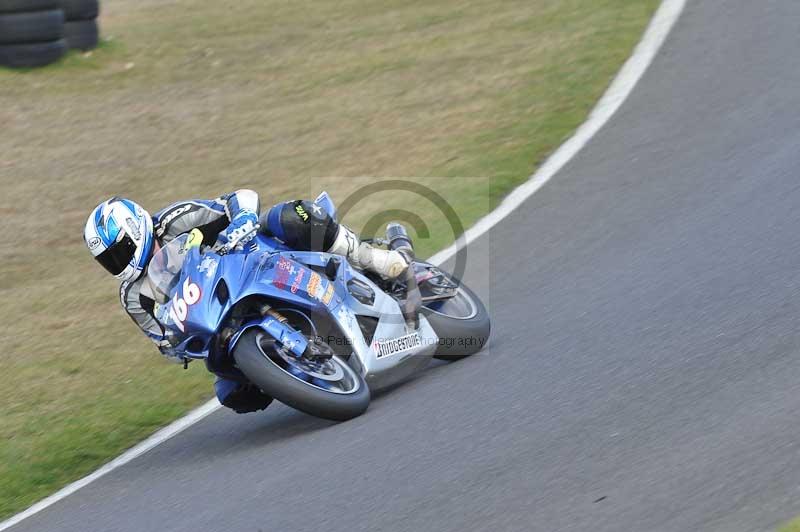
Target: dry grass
[[192, 99]]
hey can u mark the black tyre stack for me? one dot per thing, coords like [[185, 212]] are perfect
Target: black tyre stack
[[81, 30], [31, 33]]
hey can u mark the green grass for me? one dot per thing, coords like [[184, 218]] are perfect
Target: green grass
[[196, 98], [792, 526]]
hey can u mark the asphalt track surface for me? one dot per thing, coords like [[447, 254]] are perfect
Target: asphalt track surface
[[644, 371]]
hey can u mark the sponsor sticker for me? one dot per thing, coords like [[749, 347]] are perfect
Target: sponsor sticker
[[208, 266], [133, 228], [93, 243], [285, 269], [328, 295], [320, 289], [301, 212], [289, 276], [297, 280], [394, 346], [313, 285], [179, 310], [347, 318], [164, 222]]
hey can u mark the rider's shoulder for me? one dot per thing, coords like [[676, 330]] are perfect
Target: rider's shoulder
[[128, 288], [178, 208]]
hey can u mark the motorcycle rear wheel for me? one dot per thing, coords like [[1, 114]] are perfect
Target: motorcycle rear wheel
[[462, 324], [302, 386]]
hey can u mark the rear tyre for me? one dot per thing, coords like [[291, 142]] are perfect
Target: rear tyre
[[257, 357], [32, 55], [81, 35], [15, 6], [34, 27], [461, 323]]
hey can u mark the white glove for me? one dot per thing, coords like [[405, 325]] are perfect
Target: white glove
[[242, 228]]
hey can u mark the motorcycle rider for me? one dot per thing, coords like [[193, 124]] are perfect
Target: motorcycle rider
[[122, 237]]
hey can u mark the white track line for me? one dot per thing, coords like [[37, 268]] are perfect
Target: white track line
[[622, 86], [619, 90], [159, 437]]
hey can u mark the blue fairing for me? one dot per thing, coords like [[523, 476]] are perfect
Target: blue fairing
[[271, 270]]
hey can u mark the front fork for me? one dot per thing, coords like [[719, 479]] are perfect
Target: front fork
[[275, 326]]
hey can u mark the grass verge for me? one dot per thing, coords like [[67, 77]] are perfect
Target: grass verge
[[195, 98], [791, 526]]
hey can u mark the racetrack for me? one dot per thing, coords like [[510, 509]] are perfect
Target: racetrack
[[643, 369]]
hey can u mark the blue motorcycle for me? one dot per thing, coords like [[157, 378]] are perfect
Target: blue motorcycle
[[307, 328]]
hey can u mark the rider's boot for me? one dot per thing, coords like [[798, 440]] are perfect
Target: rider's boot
[[388, 263]]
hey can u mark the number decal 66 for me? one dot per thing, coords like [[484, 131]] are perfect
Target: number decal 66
[[180, 305]]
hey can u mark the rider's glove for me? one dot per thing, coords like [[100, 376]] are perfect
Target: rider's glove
[[242, 228]]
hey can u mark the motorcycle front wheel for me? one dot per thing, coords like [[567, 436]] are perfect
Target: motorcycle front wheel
[[323, 387]]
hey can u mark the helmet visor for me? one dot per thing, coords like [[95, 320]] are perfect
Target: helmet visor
[[118, 255]]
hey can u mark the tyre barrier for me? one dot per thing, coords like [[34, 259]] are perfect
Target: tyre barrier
[[35, 33], [17, 6], [31, 27], [81, 34], [81, 31], [31, 33], [33, 54]]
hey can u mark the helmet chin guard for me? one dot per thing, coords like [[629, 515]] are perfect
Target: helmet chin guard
[[119, 235]]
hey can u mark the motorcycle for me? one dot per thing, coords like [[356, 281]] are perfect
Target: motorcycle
[[308, 328]]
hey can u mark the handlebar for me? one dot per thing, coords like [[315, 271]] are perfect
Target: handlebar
[[223, 247]]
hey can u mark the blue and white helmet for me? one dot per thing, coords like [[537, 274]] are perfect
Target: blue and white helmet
[[119, 233]]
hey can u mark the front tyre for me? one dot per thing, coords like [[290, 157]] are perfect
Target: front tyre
[[328, 389]]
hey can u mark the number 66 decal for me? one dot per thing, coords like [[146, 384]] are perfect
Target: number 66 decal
[[180, 305]]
